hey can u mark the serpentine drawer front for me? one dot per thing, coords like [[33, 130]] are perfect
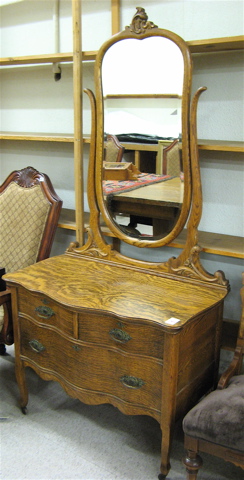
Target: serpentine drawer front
[[44, 310], [93, 368], [129, 336], [90, 327]]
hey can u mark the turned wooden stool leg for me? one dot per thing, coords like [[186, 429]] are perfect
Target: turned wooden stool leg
[[192, 462]]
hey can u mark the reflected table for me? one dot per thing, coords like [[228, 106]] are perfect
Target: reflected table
[[144, 204]]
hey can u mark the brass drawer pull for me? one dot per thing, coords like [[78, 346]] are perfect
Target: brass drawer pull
[[36, 346], [119, 335], [44, 312], [132, 382]]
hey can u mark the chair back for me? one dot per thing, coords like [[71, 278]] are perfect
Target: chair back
[[171, 160], [114, 150], [29, 212]]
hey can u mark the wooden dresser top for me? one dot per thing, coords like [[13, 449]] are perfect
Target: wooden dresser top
[[85, 283]]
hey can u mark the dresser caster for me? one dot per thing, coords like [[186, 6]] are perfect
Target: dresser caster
[[24, 410]]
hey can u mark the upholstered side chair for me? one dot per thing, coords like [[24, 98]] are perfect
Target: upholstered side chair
[[29, 213], [216, 424], [114, 150]]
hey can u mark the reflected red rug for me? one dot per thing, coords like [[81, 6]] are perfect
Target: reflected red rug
[[119, 186]]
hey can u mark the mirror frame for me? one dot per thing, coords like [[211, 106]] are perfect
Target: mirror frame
[[141, 29]]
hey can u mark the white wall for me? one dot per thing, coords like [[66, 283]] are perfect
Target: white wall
[[32, 101], [191, 19]]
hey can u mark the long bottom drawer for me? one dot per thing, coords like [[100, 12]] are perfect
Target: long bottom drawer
[[134, 379]]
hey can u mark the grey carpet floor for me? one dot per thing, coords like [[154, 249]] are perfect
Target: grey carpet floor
[[62, 439]]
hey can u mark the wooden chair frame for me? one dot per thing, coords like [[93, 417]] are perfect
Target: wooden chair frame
[[27, 178], [193, 445]]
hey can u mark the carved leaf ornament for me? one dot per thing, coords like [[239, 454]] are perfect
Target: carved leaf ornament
[[140, 22]]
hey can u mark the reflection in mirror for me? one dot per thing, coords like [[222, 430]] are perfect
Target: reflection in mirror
[[142, 83], [142, 87]]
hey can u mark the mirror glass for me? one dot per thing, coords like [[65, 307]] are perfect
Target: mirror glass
[[142, 86]]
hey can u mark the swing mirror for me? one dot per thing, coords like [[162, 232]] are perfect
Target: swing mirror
[[143, 89]]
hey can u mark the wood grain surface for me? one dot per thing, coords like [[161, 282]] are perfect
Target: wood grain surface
[[113, 288]]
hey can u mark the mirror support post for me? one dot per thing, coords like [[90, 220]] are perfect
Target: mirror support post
[[195, 168], [189, 260], [78, 142]]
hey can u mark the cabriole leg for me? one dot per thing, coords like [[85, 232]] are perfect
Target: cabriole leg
[[165, 452], [21, 381]]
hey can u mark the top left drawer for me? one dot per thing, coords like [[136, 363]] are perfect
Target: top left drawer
[[45, 311]]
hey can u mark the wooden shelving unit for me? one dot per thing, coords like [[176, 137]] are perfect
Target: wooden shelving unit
[[41, 137], [141, 95], [45, 59], [217, 44], [37, 59], [226, 245], [37, 137], [217, 145], [75, 58], [196, 46], [214, 243], [221, 145]]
